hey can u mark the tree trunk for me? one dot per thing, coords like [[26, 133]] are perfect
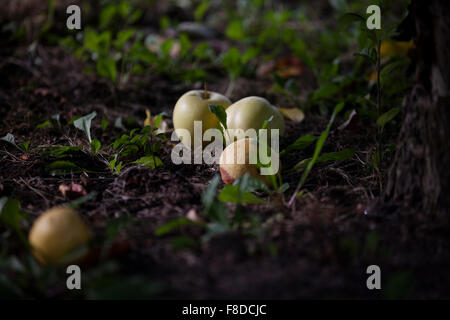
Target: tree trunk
[[420, 177]]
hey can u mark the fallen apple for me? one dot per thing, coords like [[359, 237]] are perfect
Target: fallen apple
[[59, 236], [194, 106], [240, 157], [250, 113]]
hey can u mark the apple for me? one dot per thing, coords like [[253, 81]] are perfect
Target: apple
[[59, 236], [250, 113], [238, 158], [194, 106]]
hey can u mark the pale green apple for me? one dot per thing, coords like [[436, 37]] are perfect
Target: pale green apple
[[250, 113], [194, 106]]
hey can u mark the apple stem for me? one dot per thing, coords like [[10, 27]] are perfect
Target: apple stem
[[205, 91]]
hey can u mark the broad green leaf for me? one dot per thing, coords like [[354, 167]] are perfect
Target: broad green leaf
[[183, 242], [149, 161], [84, 124], [104, 124], [233, 194], [210, 193], [10, 213], [235, 30], [349, 18], [220, 113], [317, 150], [175, 224], [387, 117], [248, 183], [44, 124], [95, 146], [60, 151], [301, 143], [332, 156], [24, 145], [106, 67], [122, 37], [201, 10], [62, 168], [232, 62]]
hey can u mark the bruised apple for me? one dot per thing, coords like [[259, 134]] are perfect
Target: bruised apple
[[240, 157]]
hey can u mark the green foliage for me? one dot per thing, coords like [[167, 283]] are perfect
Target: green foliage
[[44, 124], [387, 116], [139, 146], [301, 143], [149, 162], [344, 154], [95, 146], [317, 150], [201, 10], [63, 167]]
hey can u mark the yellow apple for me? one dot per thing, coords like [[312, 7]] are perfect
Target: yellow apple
[[58, 236], [250, 113], [194, 106]]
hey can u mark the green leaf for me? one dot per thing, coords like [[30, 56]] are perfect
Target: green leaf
[[11, 216], [209, 194], [149, 161], [248, 183], [104, 124], [387, 117], [60, 151], [317, 150], [166, 46], [44, 124], [232, 62], [220, 113], [62, 168], [84, 124], [106, 67], [175, 224], [266, 123], [349, 18], [24, 145], [95, 146], [10, 213], [235, 30], [158, 121], [301, 143], [183, 242], [201, 10], [332, 156], [233, 194], [122, 37]]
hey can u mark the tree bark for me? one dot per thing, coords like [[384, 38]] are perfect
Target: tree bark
[[420, 176]]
